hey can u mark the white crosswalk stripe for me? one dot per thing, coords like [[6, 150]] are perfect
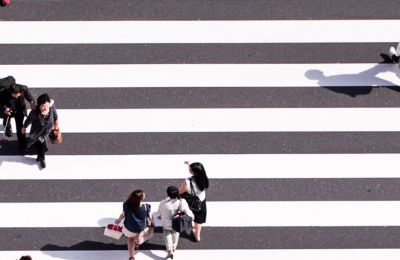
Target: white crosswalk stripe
[[200, 31], [223, 166], [362, 223], [280, 214], [277, 254], [205, 75], [231, 120]]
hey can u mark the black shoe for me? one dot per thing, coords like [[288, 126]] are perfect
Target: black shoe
[[9, 132], [43, 164]]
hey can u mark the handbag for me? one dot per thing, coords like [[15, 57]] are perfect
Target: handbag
[[113, 231], [180, 221], [193, 201], [55, 136], [148, 231]]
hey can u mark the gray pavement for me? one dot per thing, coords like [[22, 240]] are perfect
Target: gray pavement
[[65, 10]]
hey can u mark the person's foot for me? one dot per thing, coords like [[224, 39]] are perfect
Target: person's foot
[[170, 255], [196, 239], [42, 164]]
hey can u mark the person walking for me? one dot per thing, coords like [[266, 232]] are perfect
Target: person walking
[[199, 181], [134, 213], [43, 119], [167, 209], [13, 105]]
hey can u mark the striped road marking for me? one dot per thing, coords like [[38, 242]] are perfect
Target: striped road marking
[[261, 254], [219, 166], [42, 32], [263, 214], [204, 75], [228, 120]]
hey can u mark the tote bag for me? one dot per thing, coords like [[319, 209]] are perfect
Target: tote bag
[[113, 231]]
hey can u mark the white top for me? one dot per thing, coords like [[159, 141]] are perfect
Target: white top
[[200, 194], [169, 207]]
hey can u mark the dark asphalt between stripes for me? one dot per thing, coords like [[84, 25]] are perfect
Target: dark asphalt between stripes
[[253, 53], [363, 189], [221, 143], [220, 97], [64, 10]]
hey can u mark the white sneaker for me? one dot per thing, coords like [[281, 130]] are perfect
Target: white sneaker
[[392, 51]]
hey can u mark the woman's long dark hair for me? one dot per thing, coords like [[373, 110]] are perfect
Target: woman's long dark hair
[[199, 175], [133, 202]]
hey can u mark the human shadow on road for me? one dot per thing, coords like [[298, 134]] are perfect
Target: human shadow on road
[[338, 83], [9, 152], [67, 252]]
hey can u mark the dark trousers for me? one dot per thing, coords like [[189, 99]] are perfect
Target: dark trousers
[[40, 149], [19, 121]]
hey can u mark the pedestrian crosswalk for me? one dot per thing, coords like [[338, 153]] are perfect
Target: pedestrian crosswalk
[[288, 104]]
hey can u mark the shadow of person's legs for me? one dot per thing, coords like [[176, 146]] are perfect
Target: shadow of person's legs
[[352, 85]]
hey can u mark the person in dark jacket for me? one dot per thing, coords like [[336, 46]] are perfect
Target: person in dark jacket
[[43, 119], [13, 105]]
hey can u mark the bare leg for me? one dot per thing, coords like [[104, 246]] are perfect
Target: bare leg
[[131, 247], [196, 231]]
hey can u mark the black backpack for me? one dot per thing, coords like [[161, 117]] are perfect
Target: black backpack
[[6, 82]]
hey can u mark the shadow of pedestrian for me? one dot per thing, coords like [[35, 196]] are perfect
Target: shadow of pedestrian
[[18, 159], [97, 250], [354, 84]]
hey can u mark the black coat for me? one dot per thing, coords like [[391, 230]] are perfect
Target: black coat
[[40, 126], [19, 104]]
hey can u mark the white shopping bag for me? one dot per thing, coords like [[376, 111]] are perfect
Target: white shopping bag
[[113, 231]]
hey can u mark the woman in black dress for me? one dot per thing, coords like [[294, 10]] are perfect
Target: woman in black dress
[[199, 181]]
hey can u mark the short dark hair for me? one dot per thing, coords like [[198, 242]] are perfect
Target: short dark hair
[[15, 89], [42, 99], [26, 257], [173, 192]]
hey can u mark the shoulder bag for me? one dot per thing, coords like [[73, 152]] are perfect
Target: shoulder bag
[[180, 221], [193, 201]]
